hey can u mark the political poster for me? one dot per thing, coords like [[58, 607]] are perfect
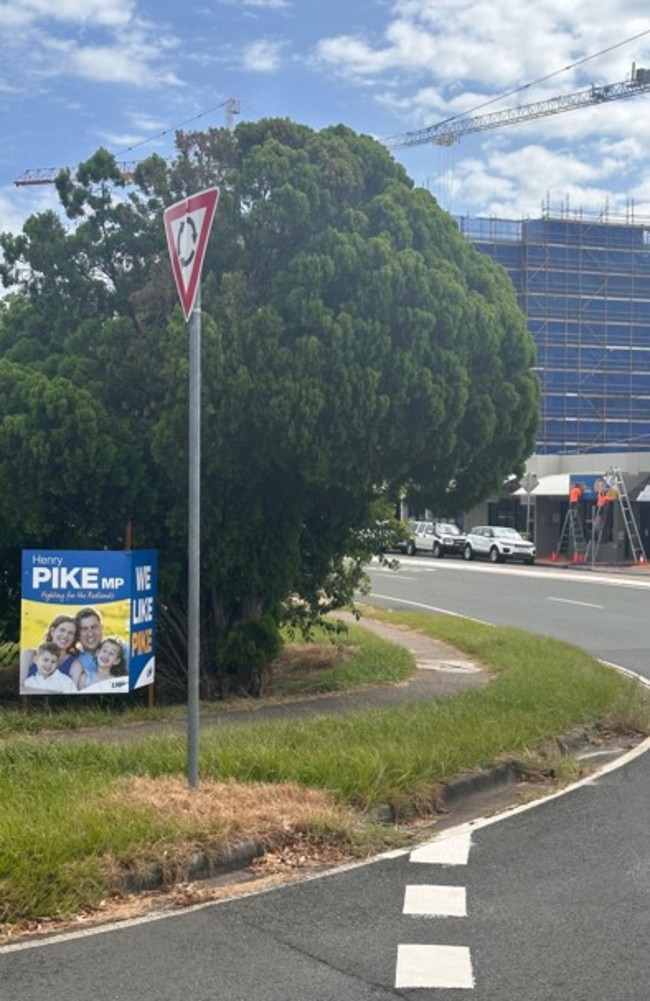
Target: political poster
[[88, 621]]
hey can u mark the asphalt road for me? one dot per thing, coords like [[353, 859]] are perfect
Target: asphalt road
[[546, 903], [605, 613], [549, 902]]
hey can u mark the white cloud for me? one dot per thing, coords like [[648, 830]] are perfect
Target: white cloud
[[465, 50], [124, 140], [262, 56], [17, 203], [130, 63], [105, 13], [120, 49], [270, 4], [514, 183], [147, 123]]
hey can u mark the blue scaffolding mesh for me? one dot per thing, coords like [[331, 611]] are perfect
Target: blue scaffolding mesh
[[584, 287]]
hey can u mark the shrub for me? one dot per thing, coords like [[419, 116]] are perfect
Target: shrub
[[251, 645]]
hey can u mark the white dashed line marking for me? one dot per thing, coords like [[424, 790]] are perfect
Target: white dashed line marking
[[436, 901], [434, 966], [570, 601], [451, 850]]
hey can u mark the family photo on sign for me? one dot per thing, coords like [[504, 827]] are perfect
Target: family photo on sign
[[75, 656]]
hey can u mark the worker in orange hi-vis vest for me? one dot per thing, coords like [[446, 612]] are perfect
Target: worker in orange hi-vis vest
[[604, 494], [575, 493], [603, 497]]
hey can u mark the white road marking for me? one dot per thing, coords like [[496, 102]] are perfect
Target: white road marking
[[435, 901], [429, 608], [585, 576], [434, 966], [468, 827], [570, 601], [445, 849]]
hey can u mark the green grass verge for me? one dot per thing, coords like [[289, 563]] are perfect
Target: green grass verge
[[64, 834], [357, 659]]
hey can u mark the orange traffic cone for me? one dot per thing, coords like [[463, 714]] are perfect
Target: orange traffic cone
[[554, 557], [576, 557]]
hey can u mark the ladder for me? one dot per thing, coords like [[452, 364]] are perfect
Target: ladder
[[615, 480], [598, 522], [572, 542]]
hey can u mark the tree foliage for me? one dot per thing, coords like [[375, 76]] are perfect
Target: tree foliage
[[354, 344]]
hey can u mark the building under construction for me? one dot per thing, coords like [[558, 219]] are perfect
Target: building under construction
[[584, 286]]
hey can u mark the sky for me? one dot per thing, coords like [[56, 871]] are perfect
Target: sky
[[125, 74]]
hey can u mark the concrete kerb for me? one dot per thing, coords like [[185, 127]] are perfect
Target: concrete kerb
[[442, 672], [203, 865]]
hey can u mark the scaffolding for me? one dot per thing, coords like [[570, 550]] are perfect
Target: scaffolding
[[584, 286]]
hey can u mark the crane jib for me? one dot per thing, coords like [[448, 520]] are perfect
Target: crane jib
[[450, 131]]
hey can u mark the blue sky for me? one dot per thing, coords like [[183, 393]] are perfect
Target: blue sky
[[77, 74]]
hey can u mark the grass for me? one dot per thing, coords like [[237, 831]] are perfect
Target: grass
[[355, 659], [78, 815]]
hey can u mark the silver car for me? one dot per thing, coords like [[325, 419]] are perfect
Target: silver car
[[498, 544], [436, 537]]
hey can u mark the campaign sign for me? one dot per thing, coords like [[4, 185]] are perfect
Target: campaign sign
[[88, 621]]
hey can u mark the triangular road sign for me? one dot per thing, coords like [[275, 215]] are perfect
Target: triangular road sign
[[187, 226]]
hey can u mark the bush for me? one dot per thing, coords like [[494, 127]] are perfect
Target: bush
[[249, 648]]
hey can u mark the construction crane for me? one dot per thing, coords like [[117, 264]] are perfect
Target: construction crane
[[450, 131], [48, 175]]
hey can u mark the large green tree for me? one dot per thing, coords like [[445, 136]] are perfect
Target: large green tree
[[354, 343]]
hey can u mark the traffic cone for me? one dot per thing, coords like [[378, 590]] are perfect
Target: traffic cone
[[554, 557], [576, 557]]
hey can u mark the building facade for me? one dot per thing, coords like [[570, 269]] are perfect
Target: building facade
[[584, 286]]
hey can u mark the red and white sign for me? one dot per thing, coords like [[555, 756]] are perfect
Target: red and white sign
[[187, 225]]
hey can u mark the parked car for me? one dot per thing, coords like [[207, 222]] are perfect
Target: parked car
[[436, 537], [498, 544]]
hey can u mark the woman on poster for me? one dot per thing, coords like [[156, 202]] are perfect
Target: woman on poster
[[62, 631]]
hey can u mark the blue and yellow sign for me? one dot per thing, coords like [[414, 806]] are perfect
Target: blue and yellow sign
[[88, 621]]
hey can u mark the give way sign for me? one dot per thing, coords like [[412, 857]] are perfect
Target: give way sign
[[187, 226]]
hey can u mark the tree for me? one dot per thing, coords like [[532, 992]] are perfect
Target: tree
[[353, 344]]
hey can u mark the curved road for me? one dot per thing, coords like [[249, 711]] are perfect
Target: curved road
[[605, 613], [549, 902]]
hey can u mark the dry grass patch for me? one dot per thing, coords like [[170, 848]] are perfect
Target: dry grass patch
[[298, 830], [229, 809], [299, 662], [286, 826]]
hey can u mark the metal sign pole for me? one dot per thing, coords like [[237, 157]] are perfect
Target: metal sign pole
[[194, 553], [187, 227]]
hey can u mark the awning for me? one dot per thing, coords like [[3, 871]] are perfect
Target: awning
[[556, 485]]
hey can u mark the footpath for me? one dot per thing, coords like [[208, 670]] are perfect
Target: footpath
[[441, 672]]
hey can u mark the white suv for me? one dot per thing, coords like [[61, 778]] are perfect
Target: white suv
[[498, 544]]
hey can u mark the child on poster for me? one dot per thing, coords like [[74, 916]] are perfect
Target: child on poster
[[110, 664], [48, 676]]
